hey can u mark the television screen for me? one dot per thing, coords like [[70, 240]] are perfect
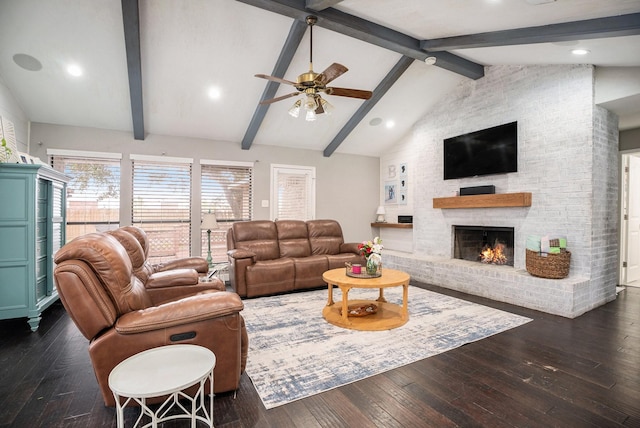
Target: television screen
[[489, 151]]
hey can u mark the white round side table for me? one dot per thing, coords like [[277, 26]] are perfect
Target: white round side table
[[166, 370]]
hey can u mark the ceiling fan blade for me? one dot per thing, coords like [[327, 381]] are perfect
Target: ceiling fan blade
[[283, 97], [275, 79], [319, 109], [352, 93], [332, 72]]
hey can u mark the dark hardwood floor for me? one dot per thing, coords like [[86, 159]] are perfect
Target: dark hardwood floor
[[550, 372]]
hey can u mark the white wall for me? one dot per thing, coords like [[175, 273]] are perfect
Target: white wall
[[11, 110], [630, 139], [614, 83], [341, 193]]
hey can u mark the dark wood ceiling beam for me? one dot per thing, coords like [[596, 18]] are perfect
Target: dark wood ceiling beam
[[320, 4], [296, 32], [131, 21], [613, 26], [382, 88], [370, 32]]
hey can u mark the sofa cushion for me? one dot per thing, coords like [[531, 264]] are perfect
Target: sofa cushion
[[292, 238], [259, 236], [309, 270], [270, 277], [325, 236]]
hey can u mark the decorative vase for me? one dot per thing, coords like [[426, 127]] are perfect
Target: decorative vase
[[374, 264]]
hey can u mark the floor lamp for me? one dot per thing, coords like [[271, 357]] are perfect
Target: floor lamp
[[209, 223]]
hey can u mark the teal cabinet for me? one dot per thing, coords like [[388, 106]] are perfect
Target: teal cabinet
[[32, 229]]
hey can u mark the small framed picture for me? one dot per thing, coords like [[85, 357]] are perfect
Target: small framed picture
[[403, 170], [390, 192]]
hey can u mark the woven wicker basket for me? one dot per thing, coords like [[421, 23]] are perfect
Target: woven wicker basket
[[554, 266]]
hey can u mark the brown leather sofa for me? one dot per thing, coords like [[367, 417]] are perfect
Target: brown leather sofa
[[267, 257], [120, 317]]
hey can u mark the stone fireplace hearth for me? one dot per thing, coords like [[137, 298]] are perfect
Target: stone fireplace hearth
[[568, 297]]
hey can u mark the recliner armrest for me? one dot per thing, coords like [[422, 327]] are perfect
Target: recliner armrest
[[197, 263], [181, 312], [349, 247], [242, 254], [172, 278]]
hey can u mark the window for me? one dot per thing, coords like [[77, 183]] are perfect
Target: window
[[226, 192], [161, 204], [293, 192], [93, 193]]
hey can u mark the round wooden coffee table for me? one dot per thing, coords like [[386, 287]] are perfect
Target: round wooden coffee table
[[388, 315]]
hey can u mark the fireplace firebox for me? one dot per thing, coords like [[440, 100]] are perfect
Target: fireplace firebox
[[484, 244]]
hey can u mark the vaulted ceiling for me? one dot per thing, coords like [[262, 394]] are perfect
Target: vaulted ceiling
[[186, 68]]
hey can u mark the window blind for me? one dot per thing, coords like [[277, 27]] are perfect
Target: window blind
[[292, 196], [93, 193], [161, 205], [227, 192]]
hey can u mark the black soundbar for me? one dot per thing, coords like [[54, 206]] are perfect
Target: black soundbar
[[405, 219], [478, 190]]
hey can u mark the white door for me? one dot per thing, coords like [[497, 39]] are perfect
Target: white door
[[633, 225], [292, 192]]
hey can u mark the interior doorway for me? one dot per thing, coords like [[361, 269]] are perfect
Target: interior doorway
[[630, 221]]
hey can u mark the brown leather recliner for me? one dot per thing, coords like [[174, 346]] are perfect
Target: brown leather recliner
[[164, 285], [197, 263], [111, 307]]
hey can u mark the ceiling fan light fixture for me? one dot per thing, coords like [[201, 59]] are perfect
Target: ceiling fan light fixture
[[311, 116], [312, 84], [295, 109], [326, 106], [310, 102]]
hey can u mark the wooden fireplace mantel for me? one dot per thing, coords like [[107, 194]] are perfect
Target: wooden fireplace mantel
[[393, 225], [500, 200]]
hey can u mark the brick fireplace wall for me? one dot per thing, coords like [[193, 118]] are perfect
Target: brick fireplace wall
[[567, 159]]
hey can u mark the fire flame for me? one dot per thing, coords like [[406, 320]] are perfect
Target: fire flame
[[493, 255]]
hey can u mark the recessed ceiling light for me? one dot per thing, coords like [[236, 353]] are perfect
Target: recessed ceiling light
[[375, 121], [27, 62], [214, 93], [390, 124], [580, 51], [75, 70]]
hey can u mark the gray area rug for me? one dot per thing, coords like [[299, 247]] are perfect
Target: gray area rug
[[295, 353]]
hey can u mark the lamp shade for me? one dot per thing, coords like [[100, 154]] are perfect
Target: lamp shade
[[380, 210], [209, 221]]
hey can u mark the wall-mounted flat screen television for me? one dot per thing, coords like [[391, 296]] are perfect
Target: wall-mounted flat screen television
[[488, 151]]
